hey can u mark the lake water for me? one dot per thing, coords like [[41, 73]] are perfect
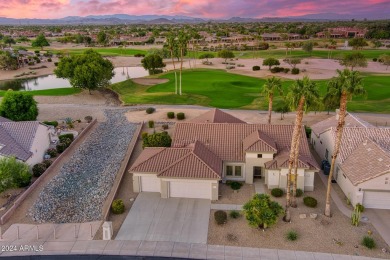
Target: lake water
[[52, 82]]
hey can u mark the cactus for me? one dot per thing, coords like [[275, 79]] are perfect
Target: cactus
[[355, 217]]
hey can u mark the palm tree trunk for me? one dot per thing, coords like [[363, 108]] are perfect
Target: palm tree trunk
[[339, 133], [271, 97], [181, 69], [174, 68], [295, 176], [297, 127]]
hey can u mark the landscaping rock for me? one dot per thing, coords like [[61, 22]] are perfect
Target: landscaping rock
[[313, 215], [302, 216], [78, 192]]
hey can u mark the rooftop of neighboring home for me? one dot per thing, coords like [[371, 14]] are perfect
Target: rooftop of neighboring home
[[216, 116]]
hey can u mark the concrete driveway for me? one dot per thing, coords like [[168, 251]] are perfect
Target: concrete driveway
[[152, 218], [380, 219]]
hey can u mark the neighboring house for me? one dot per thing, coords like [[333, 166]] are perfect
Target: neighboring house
[[362, 168], [217, 146], [27, 141]]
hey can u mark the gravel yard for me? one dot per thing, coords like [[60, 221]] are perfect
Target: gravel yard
[[228, 196], [78, 192], [318, 235]]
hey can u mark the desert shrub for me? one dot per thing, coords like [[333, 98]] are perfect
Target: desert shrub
[[47, 163], [277, 69], [139, 55], [53, 123], [240, 65], [66, 136], [220, 217], [295, 71], [49, 60], [171, 115], [23, 179], [291, 235], [359, 207], [36, 52], [52, 152], [180, 116], [38, 169], [368, 242], [56, 64], [150, 110], [375, 59], [61, 147], [256, 68], [276, 192], [151, 124], [157, 140], [234, 214], [310, 202], [88, 119], [144, 135], [286, 70], [235, 185], [165, 126], [230, 67], [299, 193], [118, 207], [30, 63]]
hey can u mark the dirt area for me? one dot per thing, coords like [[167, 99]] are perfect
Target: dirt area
[[229, 196], [7, 198], [318, 235]]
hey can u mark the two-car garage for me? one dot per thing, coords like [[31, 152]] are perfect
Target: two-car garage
[[376, 199], [185, 189]]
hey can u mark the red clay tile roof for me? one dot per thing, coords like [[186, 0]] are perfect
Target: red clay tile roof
[[259, 142], [281, 161], [216, 116], [366, 162]]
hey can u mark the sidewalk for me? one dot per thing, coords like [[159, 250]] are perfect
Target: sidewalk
[[170, 249]]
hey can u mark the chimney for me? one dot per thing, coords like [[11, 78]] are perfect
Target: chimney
[[337, 114]]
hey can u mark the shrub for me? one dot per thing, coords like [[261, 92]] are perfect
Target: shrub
[[359, 207], [139, 55], [368, 242], [308, 131], [56, 64], [118, 207], [255, 68], [30, 63], [157, 140], [277, 69], [18, 106], [66, 136], [165, 126], [276, 192], [52, 152], [150, 110], [220, 217], [49, 60], [291, 235], [234, 214], [23, 179], [310, 202], [286, 70], [171, 115], [47, 163], [375, 59], [180, 116], [61, 147], [295, 71], [11, 169], [53, 123], [144, 135], [38, 169], [299, 193], [151, 124], [235, 185], [88, 119]]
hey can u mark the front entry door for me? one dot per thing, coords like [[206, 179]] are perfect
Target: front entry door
[[257, 171]]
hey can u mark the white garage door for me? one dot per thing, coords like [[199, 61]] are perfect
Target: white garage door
[[196, 190], [150, 183], [376, 199]]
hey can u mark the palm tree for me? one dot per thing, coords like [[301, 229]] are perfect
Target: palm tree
[[344, 86], [270, 86], [171, 41], [304, 95], [183, 41]]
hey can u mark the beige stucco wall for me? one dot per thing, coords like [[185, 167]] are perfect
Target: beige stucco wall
[[278, 179], [137, 180], [379, 183], [243, 171], [251, 160], [272, 179], [308, 181], [347, 187], [39, 146]]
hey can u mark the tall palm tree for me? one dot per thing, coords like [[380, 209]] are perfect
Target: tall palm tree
[[270, 86], [303, 95], [344, 86], [182, 42], [171, 42]]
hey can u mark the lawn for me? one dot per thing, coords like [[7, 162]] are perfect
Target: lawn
[[102, 51], [50, 92], [217, 88]]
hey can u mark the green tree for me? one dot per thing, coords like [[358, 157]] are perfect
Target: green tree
[[87, 71], [152, 63], [385, 60], [293, 62], [206, 56], [226, 54], [8, 61], [358, 43], [282, 109], [330, 102], [308, 47], [13, 173], [271, 86], [18, 106], [40, 42], [271, 62], [343, 87], [261, 212], [356, 59], [157, 140], [8, 40], [102, 38]]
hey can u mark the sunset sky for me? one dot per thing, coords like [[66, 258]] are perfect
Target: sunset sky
[[213, 9]]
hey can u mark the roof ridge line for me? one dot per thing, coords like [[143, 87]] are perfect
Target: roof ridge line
[[207, 164]]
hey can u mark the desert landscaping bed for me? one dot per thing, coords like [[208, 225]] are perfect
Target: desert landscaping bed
[[239, 197], [328, 235]]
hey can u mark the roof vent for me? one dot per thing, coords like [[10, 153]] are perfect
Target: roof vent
[[380, 159]]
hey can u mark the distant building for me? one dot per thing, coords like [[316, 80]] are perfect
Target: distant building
[[343, 32]]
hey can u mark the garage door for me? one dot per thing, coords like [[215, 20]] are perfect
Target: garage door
[[150, 184], [376, 199], [196, 190]]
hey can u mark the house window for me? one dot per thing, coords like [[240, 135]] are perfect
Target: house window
[[237, 171], [326, 154], [259, 155], [229, 170]]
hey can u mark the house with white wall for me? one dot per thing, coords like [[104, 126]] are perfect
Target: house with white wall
[[362, 168], [218, 147], [27, 141]]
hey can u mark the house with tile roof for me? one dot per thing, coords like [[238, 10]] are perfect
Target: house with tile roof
[[362, 168], [218, 147], [27, 141]]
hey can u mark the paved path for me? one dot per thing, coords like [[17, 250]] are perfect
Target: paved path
[[259, 186], [170, 249], [226, 206]]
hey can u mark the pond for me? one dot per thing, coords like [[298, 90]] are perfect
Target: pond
[[52, 82]]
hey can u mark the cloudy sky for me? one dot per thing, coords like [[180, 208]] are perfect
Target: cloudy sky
[[213, 9]]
